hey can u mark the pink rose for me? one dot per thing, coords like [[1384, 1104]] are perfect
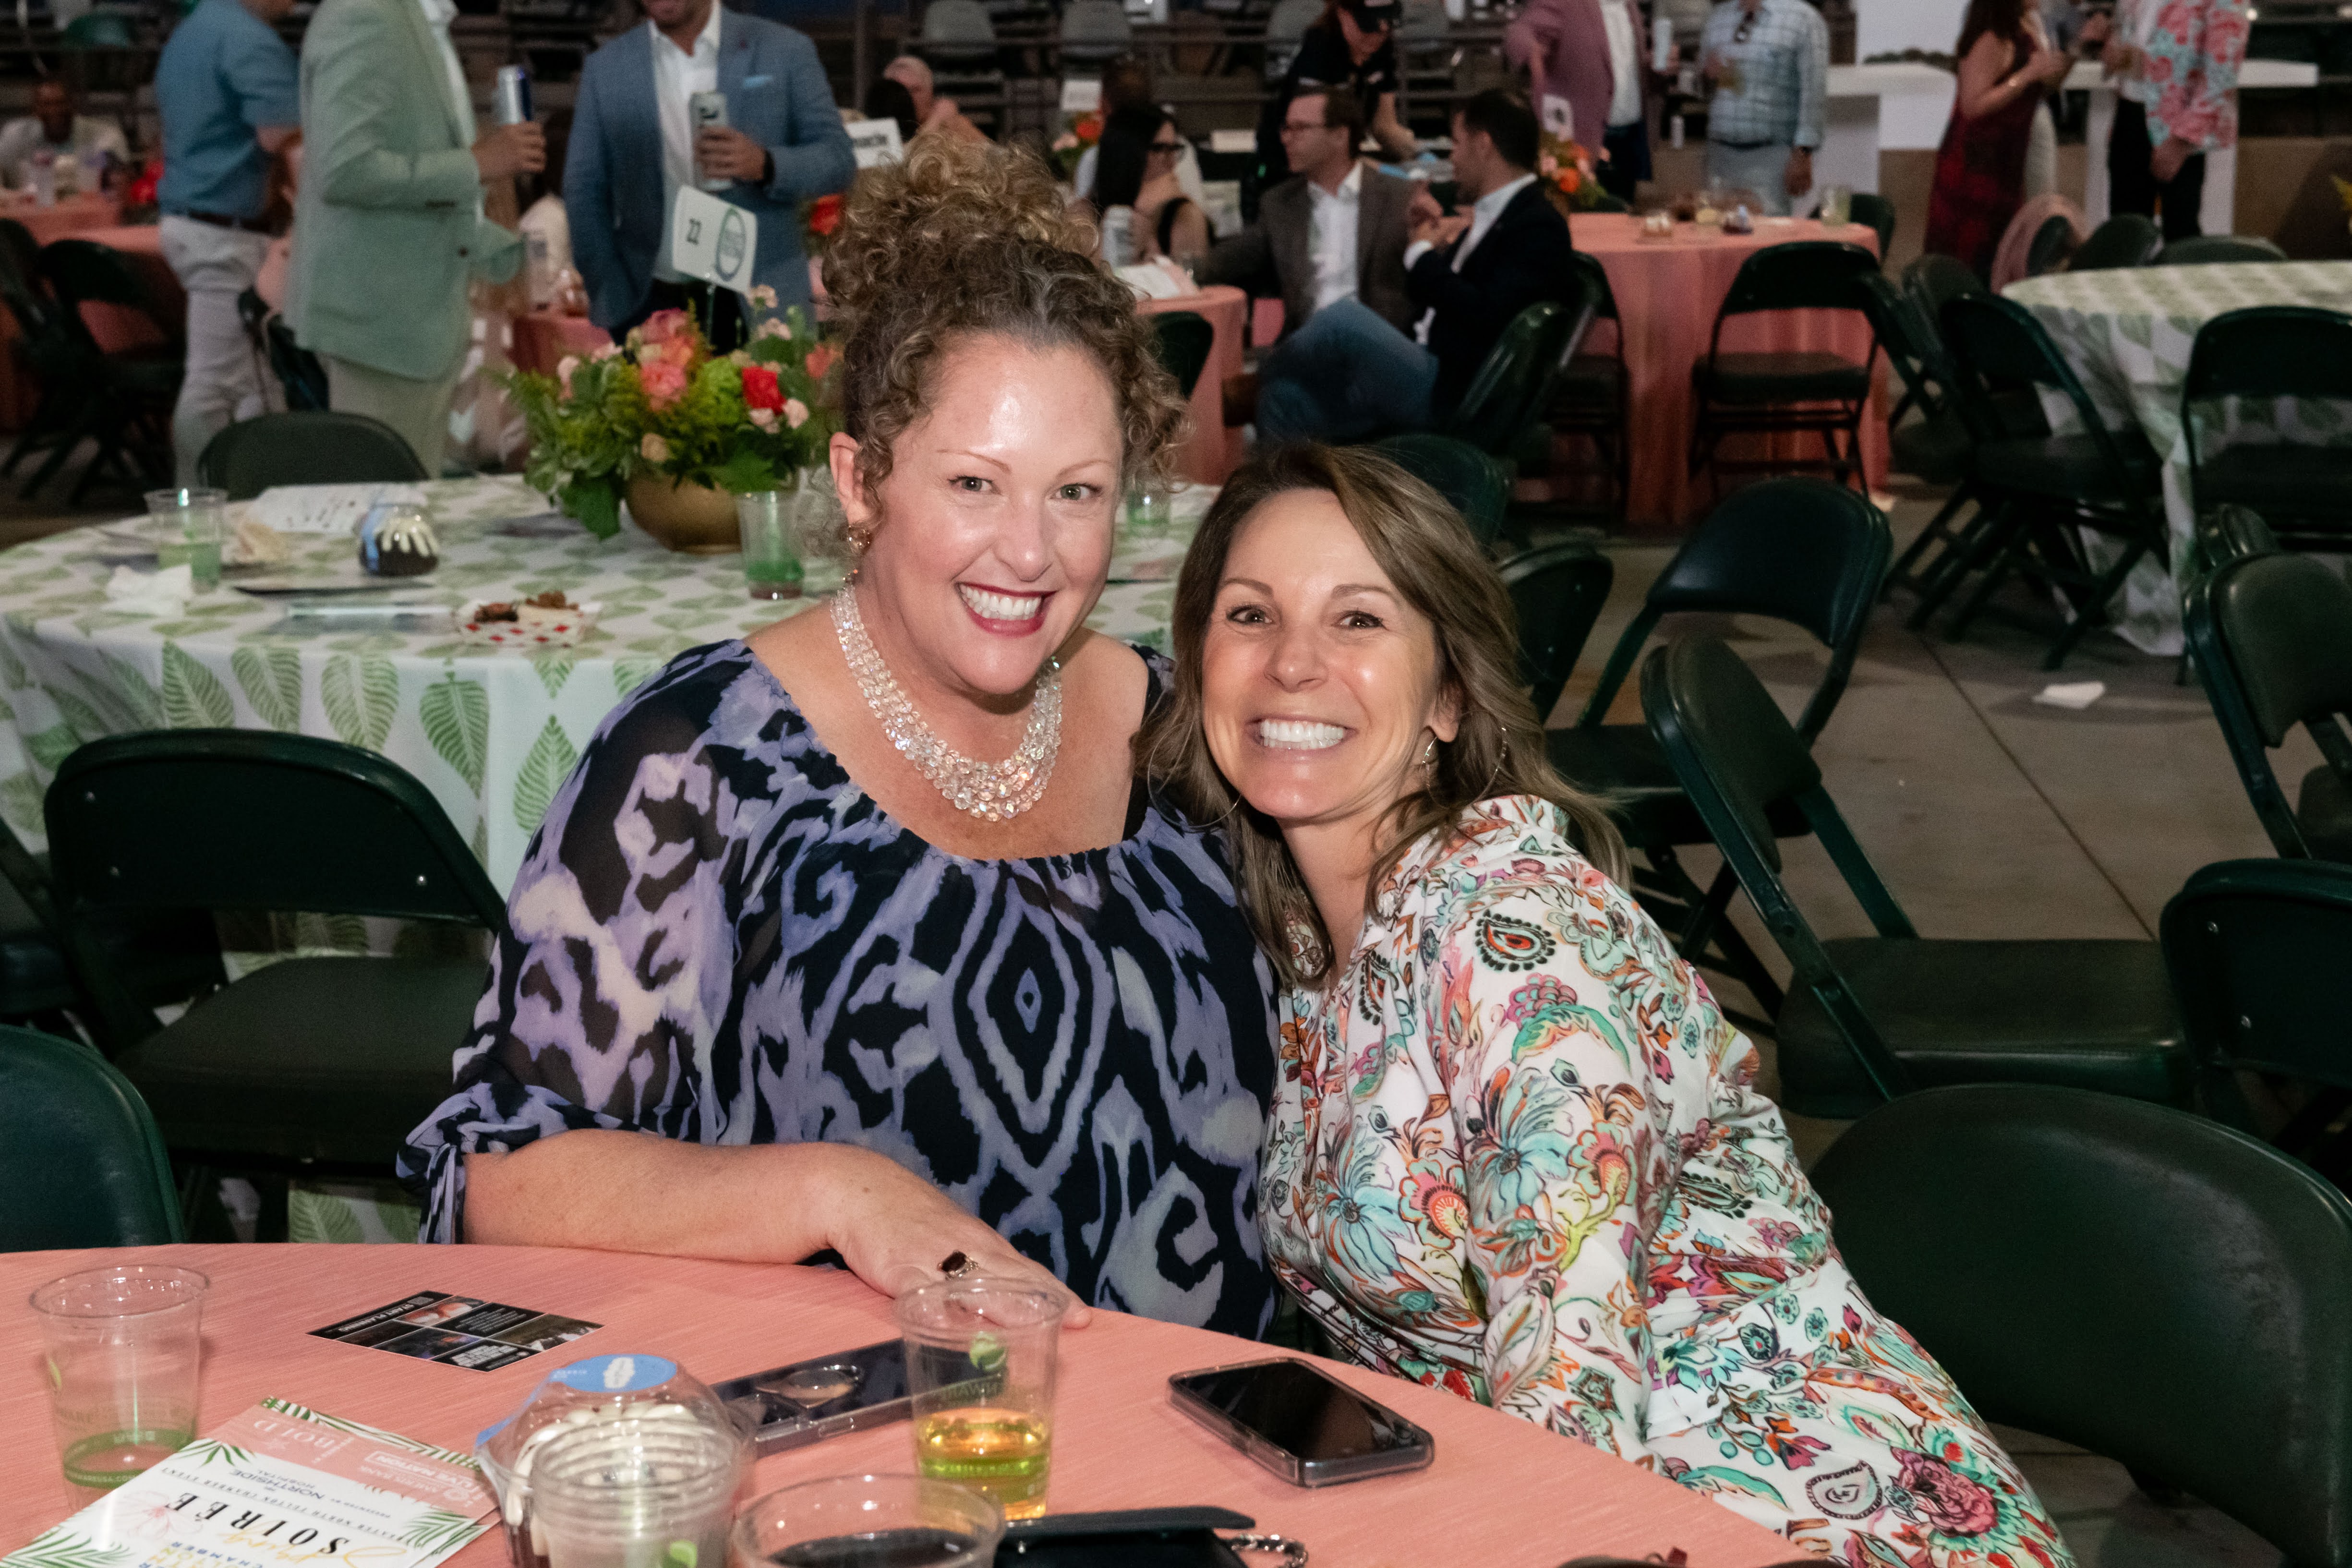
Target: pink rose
[[563, 369], [1948, 1499], [795, 413], [772, 327], [664, 325], [653, 448], [605, 351], [763, 420], [664, 382], [763, 297]]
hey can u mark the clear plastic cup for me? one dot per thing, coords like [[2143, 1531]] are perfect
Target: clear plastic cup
[[188, 526], [869, 1522], [637, 1493], [123, 1347], [981, 1356], [1150, 508], [1837, 206], [769, 523]]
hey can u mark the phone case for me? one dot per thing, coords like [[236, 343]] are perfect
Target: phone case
[[1139, 1538], [1295, 1469]]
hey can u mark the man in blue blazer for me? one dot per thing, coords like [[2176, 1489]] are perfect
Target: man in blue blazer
[[632, 145]]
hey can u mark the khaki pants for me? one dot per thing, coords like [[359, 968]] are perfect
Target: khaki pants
[[419, 410], [228, 378]]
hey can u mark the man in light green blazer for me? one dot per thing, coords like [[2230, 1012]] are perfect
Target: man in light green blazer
[[388, 225]]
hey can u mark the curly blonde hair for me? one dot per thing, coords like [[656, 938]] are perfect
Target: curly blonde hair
[[968, 237]]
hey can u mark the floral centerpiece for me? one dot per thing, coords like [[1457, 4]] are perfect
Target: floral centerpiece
[[1566, 168], [661, 406], [1071, 146]]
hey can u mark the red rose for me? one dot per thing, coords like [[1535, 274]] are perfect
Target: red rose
[[760, 389], [825, 215]]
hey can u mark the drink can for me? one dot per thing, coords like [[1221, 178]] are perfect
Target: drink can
[[704, 111], [513, 100]]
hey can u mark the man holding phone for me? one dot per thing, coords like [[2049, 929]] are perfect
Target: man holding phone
[[2175, 65]]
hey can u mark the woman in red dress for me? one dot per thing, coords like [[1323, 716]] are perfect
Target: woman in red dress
[[2005, 67]]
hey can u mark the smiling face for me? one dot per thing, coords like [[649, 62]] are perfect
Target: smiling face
[[1321, 684], [992, 532]]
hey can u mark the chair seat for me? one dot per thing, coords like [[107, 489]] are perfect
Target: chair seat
[[330, 1061], [1589, 382], [1796, 376], [2279, 481], [155, 376], [1936, 450], [2068, 468], [2085, 1015], [2323, 807], [1624, 765]]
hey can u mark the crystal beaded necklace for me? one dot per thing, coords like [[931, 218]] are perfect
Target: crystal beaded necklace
[[993, 792]]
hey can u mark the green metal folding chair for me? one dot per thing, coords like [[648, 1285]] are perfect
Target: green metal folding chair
[[2258, 358], [79, 1158], [2218, 249], [1507, 397], [1869, 1017], [1476, 485], [1182, 340], [2127, 239], [306, 448], [2051, 1248], [1558, 591], [1787, 391], [1876, 212]]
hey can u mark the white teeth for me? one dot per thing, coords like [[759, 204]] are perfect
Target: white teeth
[[1298, 734], [1001, 607]]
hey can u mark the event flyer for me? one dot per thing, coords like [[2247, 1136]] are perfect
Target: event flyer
[[276, 1486]]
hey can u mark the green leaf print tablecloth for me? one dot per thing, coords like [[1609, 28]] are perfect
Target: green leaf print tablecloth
[[491, 733], [2128, 334]]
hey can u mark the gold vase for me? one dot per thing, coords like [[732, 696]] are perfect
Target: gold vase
[[693, 520]]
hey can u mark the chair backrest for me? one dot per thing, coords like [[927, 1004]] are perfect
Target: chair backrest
[[2209, 249], [2053, 1248], [86, 272], [1878, 212], [98, 30], [1422, 24], [305, 448], [1998, 348], [2265, 352], [1797, 548], [1736, 757], [1095, 24], [2053, 244], [2227, 533], [1288, 21], [1596, 284], [80, 1160], [1916, 352], [958, 22], [1558, 591], [1514, 384], [1935, 280], [1801, 275], [2127, 239], [2272, 639], [2256, 951], [1182, 340], [1475, 484]]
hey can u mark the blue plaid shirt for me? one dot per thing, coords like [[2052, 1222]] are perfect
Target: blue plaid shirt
[[1782, 53]]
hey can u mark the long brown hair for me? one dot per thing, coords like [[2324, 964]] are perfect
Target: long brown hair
[[1422, 545], [2004, 19]]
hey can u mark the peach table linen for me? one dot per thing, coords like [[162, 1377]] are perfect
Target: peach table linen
[[1502, 1494], [1667, 295]]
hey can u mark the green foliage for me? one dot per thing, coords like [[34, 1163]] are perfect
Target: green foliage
[[667, 407]]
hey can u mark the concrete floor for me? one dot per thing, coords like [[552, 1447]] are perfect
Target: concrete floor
[[1989, 817]]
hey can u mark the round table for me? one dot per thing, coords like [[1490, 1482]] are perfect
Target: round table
[[1503, 1493], [2128, 334], [491, 733], [1667, 294]]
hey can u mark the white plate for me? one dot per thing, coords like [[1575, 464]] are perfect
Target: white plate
[[525, 635]]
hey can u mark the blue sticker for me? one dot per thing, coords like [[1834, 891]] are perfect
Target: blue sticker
[[614, 1373]]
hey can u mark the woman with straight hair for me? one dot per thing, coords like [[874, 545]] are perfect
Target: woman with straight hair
[[1516, 1151], [1136, 169]]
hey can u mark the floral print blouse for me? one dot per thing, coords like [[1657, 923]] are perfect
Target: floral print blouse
[[1514, 1153]]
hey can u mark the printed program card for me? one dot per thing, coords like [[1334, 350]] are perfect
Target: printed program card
[[458, 1330], [279, 1485]]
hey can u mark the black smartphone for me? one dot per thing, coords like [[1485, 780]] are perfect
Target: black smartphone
[[1302, 1424], [822, 1397]]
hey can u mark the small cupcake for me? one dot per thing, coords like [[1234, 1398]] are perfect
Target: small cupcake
[[397, 541]]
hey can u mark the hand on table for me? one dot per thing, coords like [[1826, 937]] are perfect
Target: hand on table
[[723, 152], [1441, 231], [2165, 161], [893, 1228], [1799, 176], [505, 150]]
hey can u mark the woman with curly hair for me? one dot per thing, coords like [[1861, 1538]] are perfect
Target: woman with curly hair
[[1516, 1152], [865, 917]]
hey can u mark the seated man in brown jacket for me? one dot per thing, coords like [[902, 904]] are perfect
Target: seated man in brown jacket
[[1335, 230]]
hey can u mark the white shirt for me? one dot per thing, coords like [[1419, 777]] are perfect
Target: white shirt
[[438, 15], [1331, 236], [677, 77], [1483, 214], [20, 139], [1624, 66]]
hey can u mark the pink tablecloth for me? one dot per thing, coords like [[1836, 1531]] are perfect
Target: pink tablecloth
[[1667, 300], [1213, 451], [72, 217]]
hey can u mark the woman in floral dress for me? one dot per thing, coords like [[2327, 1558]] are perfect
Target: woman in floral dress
[[1516, 1151]]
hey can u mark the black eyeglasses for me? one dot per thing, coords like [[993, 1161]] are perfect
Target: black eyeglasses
[[1747, 26], [1170, 148]]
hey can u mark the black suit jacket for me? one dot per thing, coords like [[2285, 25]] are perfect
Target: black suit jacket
[[1523, 259], [1275, 254]]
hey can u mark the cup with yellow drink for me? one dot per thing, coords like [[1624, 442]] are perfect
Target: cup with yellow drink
[[980, 1360]]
